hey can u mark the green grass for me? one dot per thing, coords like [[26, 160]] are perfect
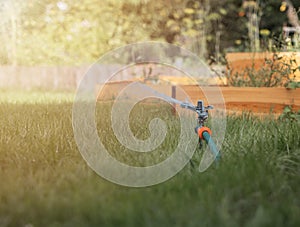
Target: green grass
[[45, 181]]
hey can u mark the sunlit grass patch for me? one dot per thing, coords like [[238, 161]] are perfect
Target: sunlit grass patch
[[35, 97]]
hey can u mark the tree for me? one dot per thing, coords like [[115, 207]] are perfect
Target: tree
[[67, 32], [78, 32], [10, 29]]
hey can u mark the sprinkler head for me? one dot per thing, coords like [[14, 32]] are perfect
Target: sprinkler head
[[202, 110]]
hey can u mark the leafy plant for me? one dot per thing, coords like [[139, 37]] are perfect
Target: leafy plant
[[293, 85], [277, 70], [289, 114]]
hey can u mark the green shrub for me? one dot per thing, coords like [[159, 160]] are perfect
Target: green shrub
[[276, 71]]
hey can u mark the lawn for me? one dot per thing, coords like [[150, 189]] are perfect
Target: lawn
[[46, 182]]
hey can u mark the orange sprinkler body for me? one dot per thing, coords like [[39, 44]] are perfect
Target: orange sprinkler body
[[203, 129]]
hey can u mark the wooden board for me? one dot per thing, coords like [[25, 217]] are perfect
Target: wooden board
[[261, 100], [257, 100]]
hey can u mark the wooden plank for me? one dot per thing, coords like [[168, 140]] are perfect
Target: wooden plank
[[110, 91], [252, 99], [257, 100]]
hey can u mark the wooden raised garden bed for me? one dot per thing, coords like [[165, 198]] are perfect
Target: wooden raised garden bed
[[257, 100]]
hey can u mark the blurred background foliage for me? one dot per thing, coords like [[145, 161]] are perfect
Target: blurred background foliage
[[66, 32]]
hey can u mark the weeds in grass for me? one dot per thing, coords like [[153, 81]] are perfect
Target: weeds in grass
[[290, 115]]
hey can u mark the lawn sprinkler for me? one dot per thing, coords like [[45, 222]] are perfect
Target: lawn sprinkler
[[204, 133]]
